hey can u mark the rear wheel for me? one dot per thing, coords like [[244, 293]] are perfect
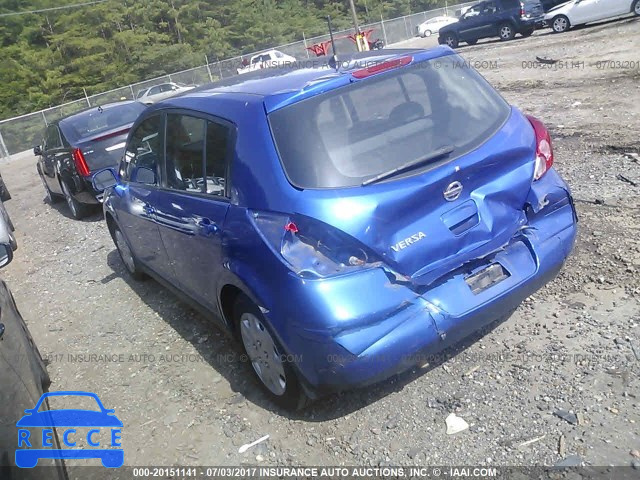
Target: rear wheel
[[560, 24], [126, 255], [273, 370], [427, 33], [78, 210], [506, 31], [528, 32], [450, 39]]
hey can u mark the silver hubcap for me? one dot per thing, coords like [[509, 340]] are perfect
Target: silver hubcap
[[68, 198], [560, 24], [637, 8], [125, 251], [427, 33], [450, 41], [505, 32], [263, 353]]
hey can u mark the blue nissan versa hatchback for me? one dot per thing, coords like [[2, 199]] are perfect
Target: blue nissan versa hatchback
[[346, 222]]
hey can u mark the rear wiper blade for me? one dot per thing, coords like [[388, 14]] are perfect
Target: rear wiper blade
[[441, 152]]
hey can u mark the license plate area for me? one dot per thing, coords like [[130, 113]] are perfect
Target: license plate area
[[486, 278]]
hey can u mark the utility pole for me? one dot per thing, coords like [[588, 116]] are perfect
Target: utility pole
[[355, 17]]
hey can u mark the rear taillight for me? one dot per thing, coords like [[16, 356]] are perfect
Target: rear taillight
[[544, 150], [81, 163], [522, 12], [311, 248]]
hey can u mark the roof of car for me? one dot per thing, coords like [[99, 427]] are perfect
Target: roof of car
[[105, 106], [288, 81]]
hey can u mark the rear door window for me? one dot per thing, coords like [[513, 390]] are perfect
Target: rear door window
[[53, 138], [197, 152], [185, 152]]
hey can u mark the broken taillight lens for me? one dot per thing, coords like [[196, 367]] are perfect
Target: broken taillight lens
[[311, 248], [544, 150]]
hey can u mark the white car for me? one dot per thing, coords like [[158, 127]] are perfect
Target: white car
[[579, 12], [160, 92], [268, 59], [433, 25]]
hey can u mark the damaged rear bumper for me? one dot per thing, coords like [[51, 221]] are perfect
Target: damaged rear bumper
[[369, 326]]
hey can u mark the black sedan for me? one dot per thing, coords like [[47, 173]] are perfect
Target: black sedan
[[80, 145], [23, 379]]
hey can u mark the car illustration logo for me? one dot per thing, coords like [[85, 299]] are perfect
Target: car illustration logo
[[453, 191], [102, 427]]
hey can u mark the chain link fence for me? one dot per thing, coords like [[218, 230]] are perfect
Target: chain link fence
[[22, 133]]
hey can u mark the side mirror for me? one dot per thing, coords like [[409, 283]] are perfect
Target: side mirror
[[6, 254], [104, 179], [37, 150]]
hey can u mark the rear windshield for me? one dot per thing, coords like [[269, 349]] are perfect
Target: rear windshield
[[101, 119], [357, 132]]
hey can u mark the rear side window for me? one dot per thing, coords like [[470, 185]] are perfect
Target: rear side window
[[351, 134], [196, 154], [52, 137], [143, 152]]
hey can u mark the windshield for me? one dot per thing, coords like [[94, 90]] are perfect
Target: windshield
[[100, 119], [354, 133]]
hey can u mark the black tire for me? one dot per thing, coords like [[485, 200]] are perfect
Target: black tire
[[506, 32], [49, 197], [472, 42], [635, 8], [528, 32], [78, 210], [4, 192], [560, 24], [126, 254], [285, 391], [450, 39]]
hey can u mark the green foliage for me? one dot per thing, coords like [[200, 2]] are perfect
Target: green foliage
[[48, 58]]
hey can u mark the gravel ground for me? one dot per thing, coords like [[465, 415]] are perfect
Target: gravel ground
[[185, 399]]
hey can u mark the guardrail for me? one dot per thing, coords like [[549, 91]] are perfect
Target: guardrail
[[22, 133]]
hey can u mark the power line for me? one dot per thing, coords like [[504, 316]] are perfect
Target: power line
[[42, 10]]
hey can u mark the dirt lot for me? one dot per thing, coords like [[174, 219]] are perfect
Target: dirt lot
[[185, 399]]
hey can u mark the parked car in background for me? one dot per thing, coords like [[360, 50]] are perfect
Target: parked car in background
[[268, 59], [433, 25], [343, 240], [160, 92], [76, 147], [580, 12], [494, 18], [23, 379], [4, 191]]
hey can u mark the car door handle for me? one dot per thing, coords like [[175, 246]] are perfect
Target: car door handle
[[207, 226], [1, 330]]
